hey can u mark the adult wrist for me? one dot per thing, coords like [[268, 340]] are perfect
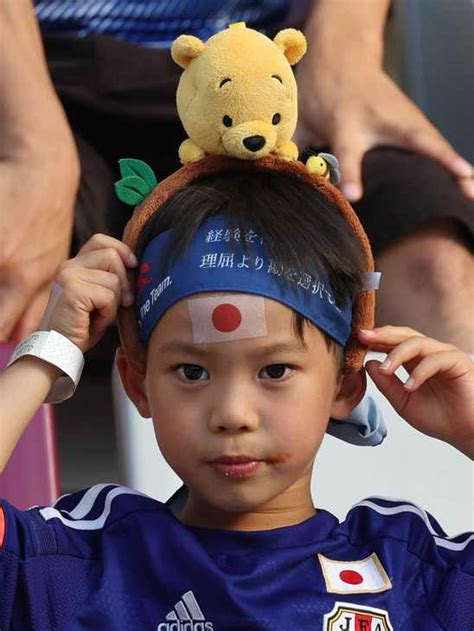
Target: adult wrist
[[57, 350], [52, 145], [347, 32]]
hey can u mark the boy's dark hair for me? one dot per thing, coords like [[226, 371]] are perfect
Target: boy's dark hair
[[301, 229]]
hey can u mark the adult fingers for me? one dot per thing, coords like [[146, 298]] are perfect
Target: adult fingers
[[349, 148], [466, 184], [426, 139]]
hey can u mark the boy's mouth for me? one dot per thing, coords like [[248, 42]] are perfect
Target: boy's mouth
[[234, 459], [236, 466], [243, 466]]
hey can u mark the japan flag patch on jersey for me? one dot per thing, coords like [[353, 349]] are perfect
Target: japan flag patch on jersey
[[351, 617], [355, 577], [227, 317]]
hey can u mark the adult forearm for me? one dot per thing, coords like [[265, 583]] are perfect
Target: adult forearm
[[23, 388], [32, 119], [342, 28]]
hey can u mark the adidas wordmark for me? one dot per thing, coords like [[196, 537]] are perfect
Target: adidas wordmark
[[186, 616]]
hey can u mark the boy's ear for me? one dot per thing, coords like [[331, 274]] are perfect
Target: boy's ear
[[133, 383], [351, 389]]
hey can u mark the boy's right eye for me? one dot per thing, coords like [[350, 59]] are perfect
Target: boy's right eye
[[192, 372]]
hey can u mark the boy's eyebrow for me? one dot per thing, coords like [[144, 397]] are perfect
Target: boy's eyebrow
[[178, 346]]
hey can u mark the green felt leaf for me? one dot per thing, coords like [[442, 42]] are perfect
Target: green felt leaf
[[130, 166], [131, 190]]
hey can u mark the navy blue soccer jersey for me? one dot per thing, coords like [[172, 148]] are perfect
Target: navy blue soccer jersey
[[111, 558]]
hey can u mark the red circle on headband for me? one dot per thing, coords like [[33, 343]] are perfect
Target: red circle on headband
[[226, 318]]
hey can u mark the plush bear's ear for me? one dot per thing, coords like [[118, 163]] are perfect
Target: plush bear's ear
[[185, 48], [292, 43]]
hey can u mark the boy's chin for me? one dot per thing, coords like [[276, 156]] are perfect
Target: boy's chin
[[239, 497]]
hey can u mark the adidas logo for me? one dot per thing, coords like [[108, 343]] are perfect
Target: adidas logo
[[186, 616]]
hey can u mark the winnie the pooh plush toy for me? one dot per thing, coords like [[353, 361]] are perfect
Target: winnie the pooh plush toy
[[237, 95]]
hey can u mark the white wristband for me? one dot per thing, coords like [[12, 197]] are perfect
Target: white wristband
[[58, 350]]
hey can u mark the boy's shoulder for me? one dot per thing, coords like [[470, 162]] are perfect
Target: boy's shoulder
[[97, 505], [76, 522], [398, 521]]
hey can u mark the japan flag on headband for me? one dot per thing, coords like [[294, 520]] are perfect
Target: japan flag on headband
[[227, 317], [355, 577]]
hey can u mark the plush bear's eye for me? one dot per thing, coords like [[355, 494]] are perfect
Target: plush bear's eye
[[276, 119], [227, 121]]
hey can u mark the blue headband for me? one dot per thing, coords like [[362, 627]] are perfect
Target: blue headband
[[216, 261]]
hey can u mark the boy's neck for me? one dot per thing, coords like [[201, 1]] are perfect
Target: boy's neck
[[294, 506]]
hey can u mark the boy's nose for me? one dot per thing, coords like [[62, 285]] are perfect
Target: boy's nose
[[233, 416]]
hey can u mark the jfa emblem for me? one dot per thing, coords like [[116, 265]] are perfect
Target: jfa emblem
[[350, 617]]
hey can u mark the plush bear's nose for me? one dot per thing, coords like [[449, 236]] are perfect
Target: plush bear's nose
[[254, 143]]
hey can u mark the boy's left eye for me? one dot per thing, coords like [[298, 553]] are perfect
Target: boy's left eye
[[275, 371], [192, 372]]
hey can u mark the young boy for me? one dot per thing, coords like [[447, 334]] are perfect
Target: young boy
[[243, 372]]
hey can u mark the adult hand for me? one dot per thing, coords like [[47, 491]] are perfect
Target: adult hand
[[37, 200], [347, 101], [39, 174], [438, 397]]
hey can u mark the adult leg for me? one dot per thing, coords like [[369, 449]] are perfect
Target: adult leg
[[421, 230], [428, 283], [120, 100], [95, 197]]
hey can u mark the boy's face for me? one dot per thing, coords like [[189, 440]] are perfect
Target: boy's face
[[264, 400]]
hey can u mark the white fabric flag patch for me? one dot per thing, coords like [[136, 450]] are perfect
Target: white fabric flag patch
[[227, 317], [355, 577]]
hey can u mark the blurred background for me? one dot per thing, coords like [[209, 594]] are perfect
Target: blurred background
[[113, 101], [431, 52]]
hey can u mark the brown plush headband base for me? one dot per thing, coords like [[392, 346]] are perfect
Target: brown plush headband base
[[363, 315]]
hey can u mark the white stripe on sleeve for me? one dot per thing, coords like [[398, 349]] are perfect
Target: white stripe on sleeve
[[84, 507]]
